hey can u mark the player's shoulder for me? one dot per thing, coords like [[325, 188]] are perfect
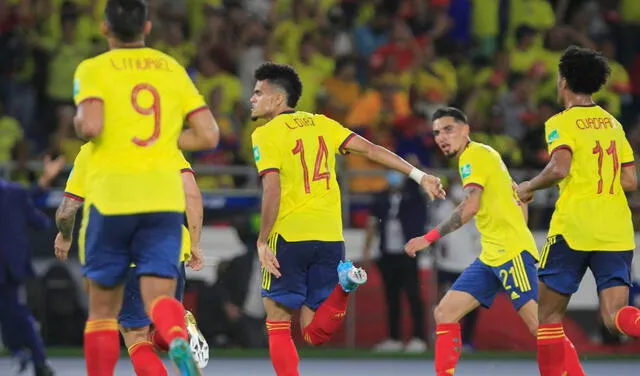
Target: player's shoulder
[[174, 65], [478, 149], [92, 62]]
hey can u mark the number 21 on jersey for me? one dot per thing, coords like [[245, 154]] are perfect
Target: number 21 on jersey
[[321, 166]]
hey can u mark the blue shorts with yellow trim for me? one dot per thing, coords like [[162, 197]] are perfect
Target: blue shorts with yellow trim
[[151, 241], [309, 272], [516, 277], [132, 313], [562, 268]]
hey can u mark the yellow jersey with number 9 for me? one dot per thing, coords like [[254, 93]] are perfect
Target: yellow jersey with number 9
[[302, 147], [76, 189], [592, 212], [147, 95], [503, 230]]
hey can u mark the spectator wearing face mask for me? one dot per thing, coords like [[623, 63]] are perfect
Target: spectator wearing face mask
[[398, 214]]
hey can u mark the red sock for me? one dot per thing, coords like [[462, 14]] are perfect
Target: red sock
[[628, 321], [448, 347], [158, 342], [101, 347], [551, 349], [328, 318], [571, 360], [282, 350], [167, 315], [145, 361]]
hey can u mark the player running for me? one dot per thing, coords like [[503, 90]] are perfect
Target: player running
[[300, 241], [509, 253], [134, 322], [591, 227], [132, 102]]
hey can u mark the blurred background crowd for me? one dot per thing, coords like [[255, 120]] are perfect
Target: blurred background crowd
[[380, 67]]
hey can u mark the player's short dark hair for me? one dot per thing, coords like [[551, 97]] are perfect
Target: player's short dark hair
[[584, 69], [283, 76], [453, 112], [126, 18]]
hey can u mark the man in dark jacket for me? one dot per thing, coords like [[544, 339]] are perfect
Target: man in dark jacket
[[397, 215], [17, 215]]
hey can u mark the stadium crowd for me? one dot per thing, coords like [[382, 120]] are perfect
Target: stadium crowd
[[380, 67]]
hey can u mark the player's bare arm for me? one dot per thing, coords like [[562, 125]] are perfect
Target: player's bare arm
[[557, 169], [194, 211], [269, 214], [462, 214], [431, 184], [89, 119], [629, 178], [203, 132], [65, 220]]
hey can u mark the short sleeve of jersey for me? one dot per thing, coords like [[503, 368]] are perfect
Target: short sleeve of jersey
[[192, 101], [627, 157], [86, 83], [557, 136], [183, 164], [265, 152], [75, 188], [339, 135], [473, 167]]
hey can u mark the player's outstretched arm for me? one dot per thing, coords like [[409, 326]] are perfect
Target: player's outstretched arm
[[203, 133], [385, 157], [462, 214], [269, 214], [557, 169], [89, 119], [629, 178], [194, 210]]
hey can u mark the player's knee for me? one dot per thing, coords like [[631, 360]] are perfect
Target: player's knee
[[132, 336], [442, 315]]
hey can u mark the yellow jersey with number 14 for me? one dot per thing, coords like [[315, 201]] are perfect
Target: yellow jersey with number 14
[[592, 212], [303, 147], [503, 230], [147, 95], [76, 190]]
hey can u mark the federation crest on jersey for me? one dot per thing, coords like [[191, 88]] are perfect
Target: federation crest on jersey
[[465, 171], [76, 87], [554, 135], [256, 153]]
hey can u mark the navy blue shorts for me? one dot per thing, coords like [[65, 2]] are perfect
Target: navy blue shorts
[[132, 313], [562, 268], [516, 277], [309, 272], [151, 241]]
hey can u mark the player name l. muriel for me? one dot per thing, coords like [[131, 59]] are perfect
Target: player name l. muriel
[[141, 64]]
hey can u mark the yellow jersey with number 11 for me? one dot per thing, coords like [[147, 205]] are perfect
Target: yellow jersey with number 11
[[503, 230], [303, 147], [592, 212], [147, 95]]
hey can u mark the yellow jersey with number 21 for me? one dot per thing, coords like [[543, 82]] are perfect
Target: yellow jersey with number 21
[[147, 95], [592, 212], [503, 230], [303, 147]]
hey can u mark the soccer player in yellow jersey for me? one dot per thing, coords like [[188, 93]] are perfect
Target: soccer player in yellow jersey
[[509, 253], [132, 102], [300, 244], [133, 320], [593, 164]]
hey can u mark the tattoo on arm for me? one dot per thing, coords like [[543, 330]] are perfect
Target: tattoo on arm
[[463, 212], [66, 216]]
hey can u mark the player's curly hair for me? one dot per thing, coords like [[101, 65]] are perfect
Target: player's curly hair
[[453, 112], [584, 69], [126, 18], [284, 76]]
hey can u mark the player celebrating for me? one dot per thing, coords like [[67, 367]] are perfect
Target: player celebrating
[[134, 322], [132, 102], [300, 241], [509, 254], [592, 162]]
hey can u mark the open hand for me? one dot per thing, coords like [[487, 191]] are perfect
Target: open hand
[[432, 185], [415, 245], [268, 259]]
